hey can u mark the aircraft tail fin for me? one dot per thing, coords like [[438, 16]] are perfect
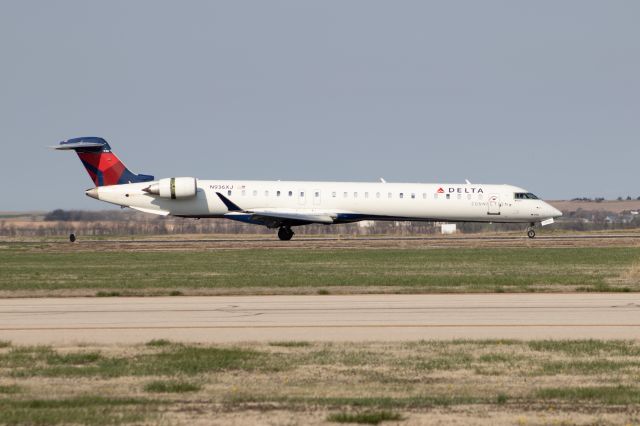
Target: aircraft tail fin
[[103, 166]]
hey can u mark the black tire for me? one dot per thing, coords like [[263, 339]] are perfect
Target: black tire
[[72, 238], [285, 234], [531, 233]]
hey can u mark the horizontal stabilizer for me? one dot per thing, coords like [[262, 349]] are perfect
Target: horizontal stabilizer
[[78, 145]]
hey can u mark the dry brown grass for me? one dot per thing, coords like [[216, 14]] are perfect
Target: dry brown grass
[[631, 275], [480, 382], [309, 266]]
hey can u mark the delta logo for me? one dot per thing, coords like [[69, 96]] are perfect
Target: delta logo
[[461, 190]]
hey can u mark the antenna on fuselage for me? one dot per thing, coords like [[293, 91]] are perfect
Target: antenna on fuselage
[[467, 181], [382, 180]]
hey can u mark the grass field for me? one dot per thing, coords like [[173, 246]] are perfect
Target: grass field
[[484, 382], [84, 271]]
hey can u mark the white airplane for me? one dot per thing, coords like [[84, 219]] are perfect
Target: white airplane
[[285, 204]]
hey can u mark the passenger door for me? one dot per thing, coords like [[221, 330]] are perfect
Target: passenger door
[[494, 205]]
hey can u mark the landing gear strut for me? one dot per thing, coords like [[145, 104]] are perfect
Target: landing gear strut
[[531, 232], [285, 233]]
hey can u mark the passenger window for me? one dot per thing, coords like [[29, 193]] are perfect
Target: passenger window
[[401, 195], [278, 193], [448, 196], [229, 193], [345, 195], [290, 193], [424, 195], [255, 193], [459, 196], [366, 195], [266, 193], [413, 195], [377, 195], [302, 195], [244, 192], [355, 195], [317, 194], [333, 194], [390, 195]]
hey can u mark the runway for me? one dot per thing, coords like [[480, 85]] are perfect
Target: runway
[[329, 238], [303, 242], [321, 318]]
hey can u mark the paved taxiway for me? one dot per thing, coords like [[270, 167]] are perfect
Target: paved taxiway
[[328, 238], [336, 318], [302, 242]]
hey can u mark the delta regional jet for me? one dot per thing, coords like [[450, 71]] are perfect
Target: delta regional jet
[[282, 205]]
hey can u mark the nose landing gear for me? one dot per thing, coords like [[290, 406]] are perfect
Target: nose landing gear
[[285, 233], [531, 232]]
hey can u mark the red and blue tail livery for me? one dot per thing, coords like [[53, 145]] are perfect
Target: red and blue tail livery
[[103, 166]]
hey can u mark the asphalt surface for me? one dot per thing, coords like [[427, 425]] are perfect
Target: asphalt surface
[[321, 318], [462, 238]]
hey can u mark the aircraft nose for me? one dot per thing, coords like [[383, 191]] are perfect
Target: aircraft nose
[[555, 212]]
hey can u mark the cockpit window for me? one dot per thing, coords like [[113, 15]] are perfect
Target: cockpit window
[[524, 196]]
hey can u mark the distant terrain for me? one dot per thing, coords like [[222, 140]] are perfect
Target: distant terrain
[[608, 206]]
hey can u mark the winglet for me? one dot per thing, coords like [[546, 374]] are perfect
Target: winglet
[[230, 205]]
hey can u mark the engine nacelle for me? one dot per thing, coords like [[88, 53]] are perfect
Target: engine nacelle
[[174, 188]]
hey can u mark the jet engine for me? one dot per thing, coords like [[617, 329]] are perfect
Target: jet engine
[[174, 188]]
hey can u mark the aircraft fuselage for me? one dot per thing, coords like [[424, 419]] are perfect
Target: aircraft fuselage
[[342, 201]]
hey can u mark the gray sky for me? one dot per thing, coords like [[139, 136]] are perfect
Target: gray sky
[[545, 94]]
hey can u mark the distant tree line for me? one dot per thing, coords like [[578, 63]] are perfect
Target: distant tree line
[[596, 200], [60, 215], [600, 199]]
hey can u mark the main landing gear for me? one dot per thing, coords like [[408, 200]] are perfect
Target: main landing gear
[[531, 232], [285, 233]]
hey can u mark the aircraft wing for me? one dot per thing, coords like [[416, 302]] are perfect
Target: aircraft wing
[[152, 211], [274, 218], [277, 217]]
